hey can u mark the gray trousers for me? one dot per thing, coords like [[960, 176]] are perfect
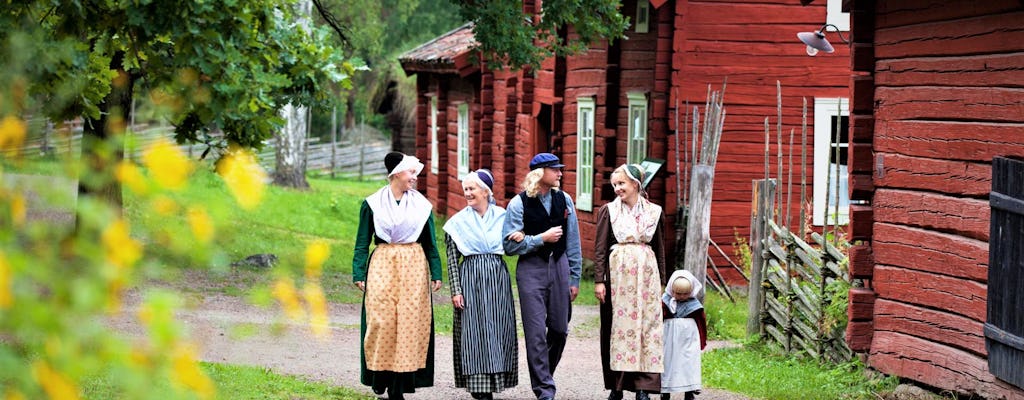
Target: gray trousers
[[545, 306]]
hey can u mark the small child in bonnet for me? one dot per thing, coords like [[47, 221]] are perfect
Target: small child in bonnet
[[685, 335]]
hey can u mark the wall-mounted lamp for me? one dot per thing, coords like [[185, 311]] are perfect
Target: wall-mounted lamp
[[816, 41]]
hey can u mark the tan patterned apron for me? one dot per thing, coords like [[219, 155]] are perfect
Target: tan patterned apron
[[398, 312]]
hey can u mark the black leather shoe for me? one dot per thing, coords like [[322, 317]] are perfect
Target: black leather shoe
[[642, 396], [615, 395], [395, 394], [666, 396], [483, 396], [379, 390]]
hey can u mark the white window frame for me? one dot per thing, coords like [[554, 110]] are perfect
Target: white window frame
[[585, 108], [836, 16], [636, 149], [462, 147], [643, 16], [824, 110], [434, 153]]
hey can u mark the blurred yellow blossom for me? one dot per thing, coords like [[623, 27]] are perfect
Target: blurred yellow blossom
[[316, 253], [187, 373], [318, 319], [18, 209], [13, 395], [128, 174], [163, 205], [202, 225], [284, 292], [12, 133], [6, 283], [121, 250], [244, 177], [54, 384], [168, 165]]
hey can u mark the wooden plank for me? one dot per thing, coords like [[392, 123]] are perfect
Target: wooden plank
[[966, 217], [913, 12], [861, 304], [992, 104], [957, 177], [859, 334], [931, 251], [972, 141], [937, 365], [999, 33], [941, 292], [862, 261], [986, 70], [932, 324]]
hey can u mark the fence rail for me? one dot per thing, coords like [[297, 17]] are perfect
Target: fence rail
[[354, 158]]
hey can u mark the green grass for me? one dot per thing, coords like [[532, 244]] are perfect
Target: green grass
[[240, 383], [759, 372], [726, 320]]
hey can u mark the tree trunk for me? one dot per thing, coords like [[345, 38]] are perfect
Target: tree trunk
[[290, 170], [102, 147]]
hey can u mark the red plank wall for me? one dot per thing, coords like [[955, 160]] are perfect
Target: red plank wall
[[942, 98]]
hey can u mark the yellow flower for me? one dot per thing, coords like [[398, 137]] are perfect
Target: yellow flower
[[202, 226], [244, 177], [18, 210], [316, 253], [318, 319], [14, 395], [186, 372], [164, 206], [170, 168], [284, 292], [54, 384], [12, 133], [6, 278], [121, 250], [128, 174]]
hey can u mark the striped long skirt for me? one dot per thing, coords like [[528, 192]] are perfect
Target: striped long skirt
[[485, 349]]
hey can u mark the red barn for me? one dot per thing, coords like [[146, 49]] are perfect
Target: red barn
[[618, 103], [938, 95]]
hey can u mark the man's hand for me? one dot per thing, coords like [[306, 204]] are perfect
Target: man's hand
[[573, 292], [552, 234], [599, 292]]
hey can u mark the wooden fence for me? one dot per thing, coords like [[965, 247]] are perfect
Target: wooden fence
[[796, 279], [353, 158]]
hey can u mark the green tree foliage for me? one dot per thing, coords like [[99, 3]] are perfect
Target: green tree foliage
[[516, 39]]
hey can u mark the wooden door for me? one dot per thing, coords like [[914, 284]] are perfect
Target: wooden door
[[1004, 330]]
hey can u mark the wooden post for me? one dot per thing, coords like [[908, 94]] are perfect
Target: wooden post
[[762, 207], [698, 228], [334, 140]]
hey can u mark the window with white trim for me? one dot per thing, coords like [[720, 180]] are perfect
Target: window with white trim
[[836, 16], [831, 116], [643, 11], [585, 153], [433, 135], [637, 144], [463, 140]]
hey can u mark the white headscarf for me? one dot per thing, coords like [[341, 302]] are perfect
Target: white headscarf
[[399, 221], [671, 301]]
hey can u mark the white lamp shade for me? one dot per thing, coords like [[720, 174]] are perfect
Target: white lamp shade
[[816, 40]]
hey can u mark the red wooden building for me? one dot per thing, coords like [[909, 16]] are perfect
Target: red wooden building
[[938, 93], [618, 102]]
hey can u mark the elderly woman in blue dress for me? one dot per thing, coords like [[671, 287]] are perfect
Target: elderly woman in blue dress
[[485, 352], [397, 323]]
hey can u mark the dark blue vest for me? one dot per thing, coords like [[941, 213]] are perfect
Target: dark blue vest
[[536, 221]]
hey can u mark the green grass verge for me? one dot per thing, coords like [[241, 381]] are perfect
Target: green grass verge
[[235, 382], [757, 371]]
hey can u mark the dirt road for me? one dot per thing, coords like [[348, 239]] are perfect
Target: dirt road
[[229, 330]]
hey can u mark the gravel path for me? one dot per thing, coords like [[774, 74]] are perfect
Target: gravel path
[[229, 330]]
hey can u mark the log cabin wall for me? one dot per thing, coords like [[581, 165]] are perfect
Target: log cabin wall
[[944, 95], [751, 45]]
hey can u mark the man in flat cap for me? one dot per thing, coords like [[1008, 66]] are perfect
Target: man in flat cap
[[549, 268]]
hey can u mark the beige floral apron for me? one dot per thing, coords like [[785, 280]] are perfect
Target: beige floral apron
[[398, 312], [636, 332]]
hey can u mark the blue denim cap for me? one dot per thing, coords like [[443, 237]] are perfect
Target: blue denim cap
[[545, 160]]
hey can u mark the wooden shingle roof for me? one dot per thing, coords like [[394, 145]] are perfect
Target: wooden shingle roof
[[448, 53]]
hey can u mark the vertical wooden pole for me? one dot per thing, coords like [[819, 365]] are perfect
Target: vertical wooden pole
[[803, 172], [698, 228], [334, 140], [763, 197]]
